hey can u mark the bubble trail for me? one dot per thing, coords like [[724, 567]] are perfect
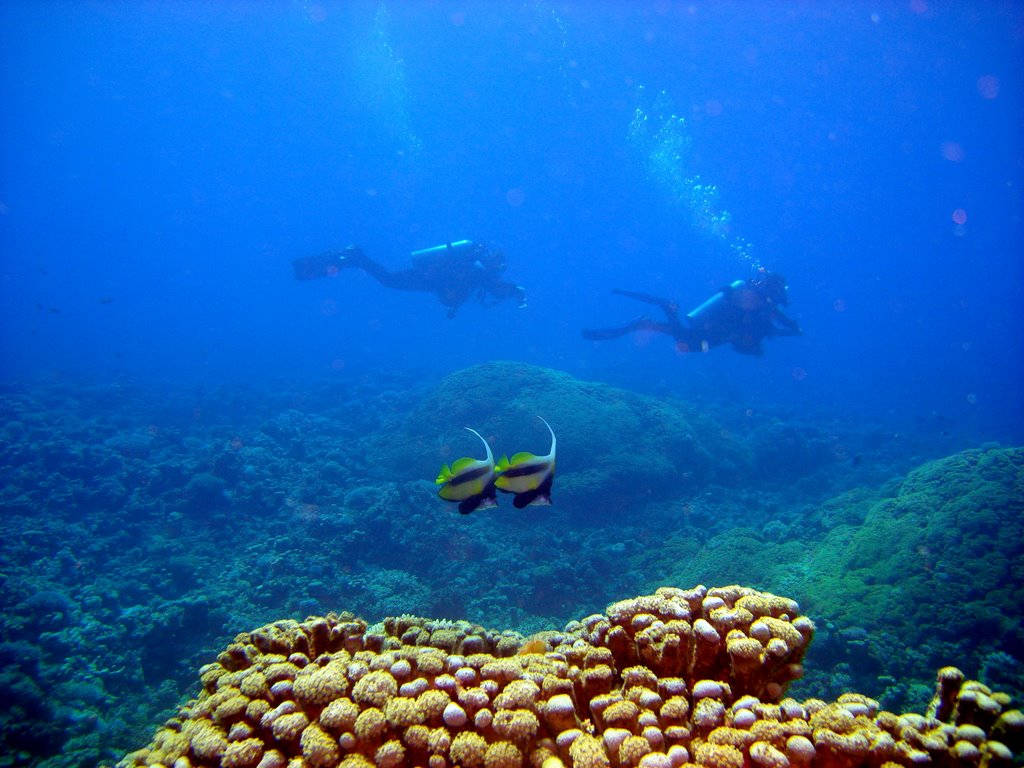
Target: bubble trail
[[662, 140]]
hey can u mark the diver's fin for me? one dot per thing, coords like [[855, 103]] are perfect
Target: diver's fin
[[323, 264], [329, 263]]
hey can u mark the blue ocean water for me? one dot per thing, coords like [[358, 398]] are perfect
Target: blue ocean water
[[166, 382], [164, 162]]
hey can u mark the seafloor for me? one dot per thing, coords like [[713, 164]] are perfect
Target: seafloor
[[143, 527]]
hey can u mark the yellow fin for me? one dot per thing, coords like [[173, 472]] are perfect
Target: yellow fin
[[444, 475]]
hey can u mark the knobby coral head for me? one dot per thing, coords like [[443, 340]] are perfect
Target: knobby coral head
[[675, 678]]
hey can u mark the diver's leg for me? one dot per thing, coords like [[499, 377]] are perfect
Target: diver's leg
[[640, 324], [400, 279], [670, 308]]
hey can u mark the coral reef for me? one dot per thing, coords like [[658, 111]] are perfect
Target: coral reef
[[670, 679], [142, 525]]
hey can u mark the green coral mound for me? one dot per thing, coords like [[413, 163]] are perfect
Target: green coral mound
[[939, 563], [614, 447], [927, 572]]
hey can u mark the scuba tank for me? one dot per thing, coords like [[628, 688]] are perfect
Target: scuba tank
[[438, 250], [714, 304]]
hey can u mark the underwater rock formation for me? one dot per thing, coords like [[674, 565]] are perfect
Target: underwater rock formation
[[663, 446], [670, 679]]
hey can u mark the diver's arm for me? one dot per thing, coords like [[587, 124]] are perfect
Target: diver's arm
[[783, 325], [498, 290]]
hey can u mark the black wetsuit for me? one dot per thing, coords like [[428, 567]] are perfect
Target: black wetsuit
[[741, 314], [454, 275]]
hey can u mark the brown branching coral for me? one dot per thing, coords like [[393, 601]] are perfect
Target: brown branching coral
[[694, 677]]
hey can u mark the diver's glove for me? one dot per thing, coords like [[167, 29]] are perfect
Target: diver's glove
[[521, 294]]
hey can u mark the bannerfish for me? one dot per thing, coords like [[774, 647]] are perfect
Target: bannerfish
[[469, 481], [529, 477]]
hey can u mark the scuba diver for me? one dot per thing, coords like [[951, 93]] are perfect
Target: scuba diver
[[455, 272], [743, 314]]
